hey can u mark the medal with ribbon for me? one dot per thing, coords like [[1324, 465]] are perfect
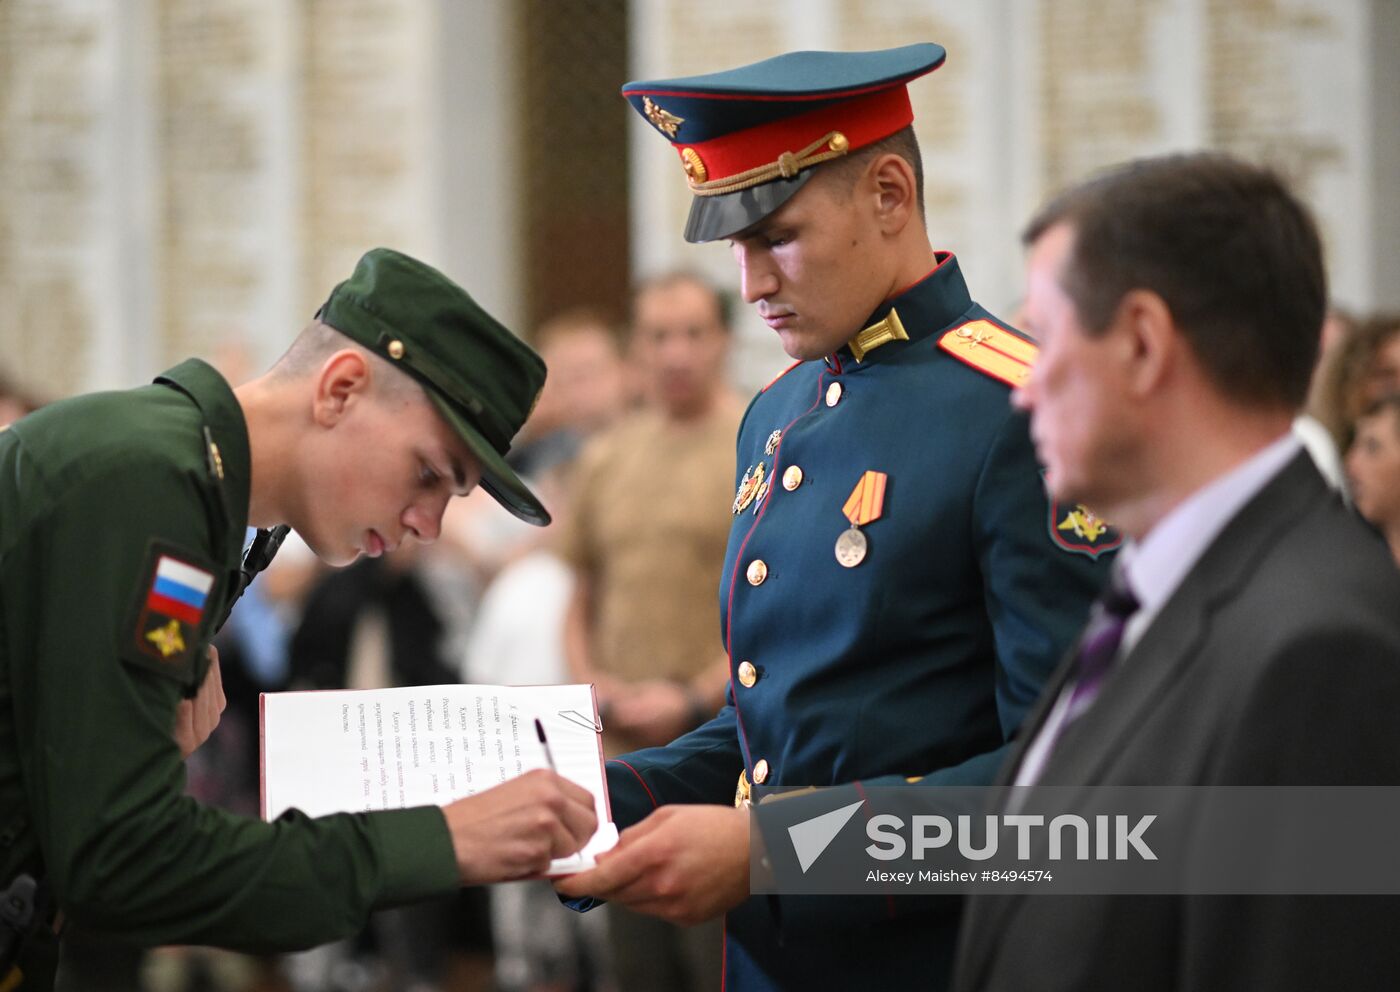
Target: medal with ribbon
[[865, 504]]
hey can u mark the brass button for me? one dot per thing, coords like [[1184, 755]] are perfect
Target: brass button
[[833, 394], [758, 571], [748, 674], [396, 349], [760, 771], [792, 478], [838, 142]]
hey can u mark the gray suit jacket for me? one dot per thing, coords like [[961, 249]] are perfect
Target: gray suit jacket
[[1277, 662]]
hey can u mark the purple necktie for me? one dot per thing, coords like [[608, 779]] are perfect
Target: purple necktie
[[1097, 649], [1099, 646]]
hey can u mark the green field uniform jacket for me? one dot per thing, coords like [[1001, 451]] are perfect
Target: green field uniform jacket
[[122, 517]]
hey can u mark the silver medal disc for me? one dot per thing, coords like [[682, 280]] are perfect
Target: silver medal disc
[[851, 547]]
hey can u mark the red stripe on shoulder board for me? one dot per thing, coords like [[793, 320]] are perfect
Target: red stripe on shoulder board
[[780, 375]]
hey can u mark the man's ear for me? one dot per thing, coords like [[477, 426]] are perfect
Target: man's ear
[[1149, 342], [344, 379], [891, 182]]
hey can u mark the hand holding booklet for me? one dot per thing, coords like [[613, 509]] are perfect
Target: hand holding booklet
[[358, 750]]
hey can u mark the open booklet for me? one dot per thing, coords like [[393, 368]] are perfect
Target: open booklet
[[356, 750]]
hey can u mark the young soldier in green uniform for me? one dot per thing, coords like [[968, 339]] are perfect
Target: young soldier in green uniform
[[897, 586], [121, 520]]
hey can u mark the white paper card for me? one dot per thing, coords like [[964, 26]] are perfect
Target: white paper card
[[351, 750]]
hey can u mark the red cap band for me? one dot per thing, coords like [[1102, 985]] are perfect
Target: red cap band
[[864, 120]]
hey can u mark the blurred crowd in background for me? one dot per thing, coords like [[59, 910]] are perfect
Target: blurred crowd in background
[[487, 603], [631, 448]]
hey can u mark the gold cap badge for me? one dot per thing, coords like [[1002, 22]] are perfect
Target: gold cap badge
[[665, 123]]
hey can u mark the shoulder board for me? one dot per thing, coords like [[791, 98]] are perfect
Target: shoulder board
[[214, 465], [994, 350], [780, 375]]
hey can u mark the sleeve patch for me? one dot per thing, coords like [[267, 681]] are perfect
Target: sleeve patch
[[992, 350], [172, 612], [1079, 530]]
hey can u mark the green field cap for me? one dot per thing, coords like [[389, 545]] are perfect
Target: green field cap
[[483, 379]]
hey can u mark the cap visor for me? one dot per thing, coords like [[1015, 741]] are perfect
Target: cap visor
[[497, 478], [715, 217]]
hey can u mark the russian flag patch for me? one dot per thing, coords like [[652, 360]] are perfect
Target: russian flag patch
[[179, 590], [176, 594]]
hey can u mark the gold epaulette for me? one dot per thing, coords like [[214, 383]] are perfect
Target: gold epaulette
[[780, 375], [991, 349]]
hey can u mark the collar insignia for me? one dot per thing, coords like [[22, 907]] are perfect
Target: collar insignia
[[878, 333]]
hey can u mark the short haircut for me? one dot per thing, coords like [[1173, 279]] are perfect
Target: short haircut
[[318, 341], [1233, 254], [902, 143], [724, 305]]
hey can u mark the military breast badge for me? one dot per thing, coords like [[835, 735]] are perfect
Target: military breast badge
[[760, 496], [748, 488]]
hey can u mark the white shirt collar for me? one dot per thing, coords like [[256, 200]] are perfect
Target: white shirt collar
[[1157, 565]]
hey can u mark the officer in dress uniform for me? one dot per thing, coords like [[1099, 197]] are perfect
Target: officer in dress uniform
[[897, 586], [121, 520]]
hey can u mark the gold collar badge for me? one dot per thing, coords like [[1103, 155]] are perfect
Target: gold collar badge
[[878, 333]]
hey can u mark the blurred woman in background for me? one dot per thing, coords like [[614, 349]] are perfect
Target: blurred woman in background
[[1373, 467]]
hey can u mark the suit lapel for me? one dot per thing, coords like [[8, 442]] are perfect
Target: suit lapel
[[1171, 645], [1164, 655]]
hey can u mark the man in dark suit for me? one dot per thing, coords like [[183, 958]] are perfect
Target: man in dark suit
[[1178, 302]]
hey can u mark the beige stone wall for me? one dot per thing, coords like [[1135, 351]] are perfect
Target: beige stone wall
[[1039, 93], [50, 165], [176, 175], [185, 177]]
